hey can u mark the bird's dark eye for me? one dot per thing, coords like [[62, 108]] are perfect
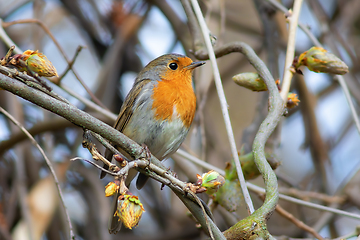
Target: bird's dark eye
[[173, 66]]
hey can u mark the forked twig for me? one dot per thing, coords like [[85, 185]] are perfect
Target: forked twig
[[70, 65]]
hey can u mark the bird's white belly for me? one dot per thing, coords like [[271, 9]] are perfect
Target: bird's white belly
[[163, 137]]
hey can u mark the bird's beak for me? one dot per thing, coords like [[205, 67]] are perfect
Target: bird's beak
[[195, 65]]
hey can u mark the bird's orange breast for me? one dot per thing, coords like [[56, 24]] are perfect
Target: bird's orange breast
[[175, 91]]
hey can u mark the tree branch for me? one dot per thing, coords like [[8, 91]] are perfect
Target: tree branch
[[86, 121]]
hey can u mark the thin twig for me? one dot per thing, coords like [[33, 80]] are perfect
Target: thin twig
[[48, 162], [303, 27], [199, 162], [62, 51], [258, 189], [343, 85], [305, 195], [67, 89], [224, 105], [290, 50], [70, 65], [4, 37], [95, 165], [350, 235], [104, 142], [297, 222], [5, 60], [89, 103], [20, 180]]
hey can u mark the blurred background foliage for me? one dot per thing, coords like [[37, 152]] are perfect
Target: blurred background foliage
[[317, 143]]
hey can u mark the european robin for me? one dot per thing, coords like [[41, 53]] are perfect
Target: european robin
[[158, 110]]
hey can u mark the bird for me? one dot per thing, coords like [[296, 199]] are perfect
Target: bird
[[158, 111]]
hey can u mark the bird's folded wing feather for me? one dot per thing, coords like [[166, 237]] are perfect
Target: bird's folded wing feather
[[128, 105], [125, 115]]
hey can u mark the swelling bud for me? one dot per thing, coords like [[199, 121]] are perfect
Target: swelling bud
[[317, 59], [111, 189], [211, 181], [39, 63], [129, 210], [250, 80]]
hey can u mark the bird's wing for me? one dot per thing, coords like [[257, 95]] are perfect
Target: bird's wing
[[125, 115], [126, 110]]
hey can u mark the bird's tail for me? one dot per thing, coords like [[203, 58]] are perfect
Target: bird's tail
[[141, 181]]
